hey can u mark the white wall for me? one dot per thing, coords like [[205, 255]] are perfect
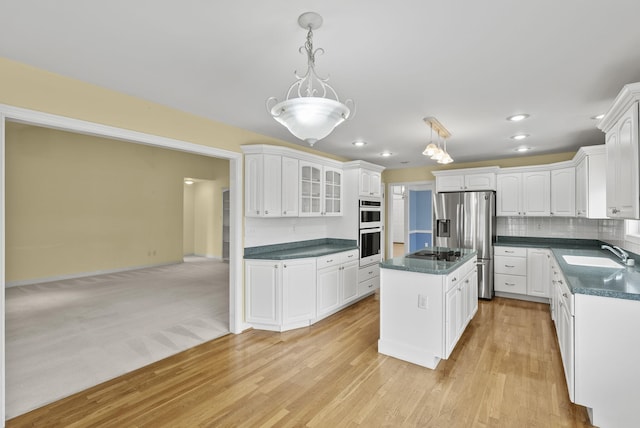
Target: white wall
[[398, 218], [268, 231]]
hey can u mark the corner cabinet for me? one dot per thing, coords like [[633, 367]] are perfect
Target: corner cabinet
[[591, 182], [280, 295]]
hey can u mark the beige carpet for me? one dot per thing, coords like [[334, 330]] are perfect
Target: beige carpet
[[65, 336]]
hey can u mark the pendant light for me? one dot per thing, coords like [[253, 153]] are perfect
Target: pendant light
[[446, 157], [311, 109], [431, 147]]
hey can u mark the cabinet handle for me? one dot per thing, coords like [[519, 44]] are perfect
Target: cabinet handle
[[510, 252], [284, 212], [509, 266], [329, 261], [350, 255], [275, 266], [370, 285], [454, 279], [370, 273], [564, 294], [285, 266], [510, 284], [257, 211], [560, 281]]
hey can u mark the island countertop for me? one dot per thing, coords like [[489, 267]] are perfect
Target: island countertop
[[433, 267]]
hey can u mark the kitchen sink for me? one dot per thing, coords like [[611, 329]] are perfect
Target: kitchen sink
[[601, 262]]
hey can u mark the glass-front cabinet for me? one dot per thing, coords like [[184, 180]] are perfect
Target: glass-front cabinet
[[332, 191], [310, 189], [320, 190]]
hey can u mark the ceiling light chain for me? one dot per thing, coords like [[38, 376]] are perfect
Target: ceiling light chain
[[316, 110]]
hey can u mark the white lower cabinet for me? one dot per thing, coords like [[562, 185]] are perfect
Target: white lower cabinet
[[280, 295], [286, 294], [368, 279], [337, 282], [461, 305], [522, 271]]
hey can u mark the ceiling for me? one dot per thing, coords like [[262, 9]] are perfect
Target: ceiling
[[468, 63]]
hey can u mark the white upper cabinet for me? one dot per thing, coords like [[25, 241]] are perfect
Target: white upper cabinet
[[591, 179], [470, 179], [622, 166], [523, 194], [310, 189], [281, 182], [263, 181], [370, 183], [563, 192], [620, 125], [290, 187]]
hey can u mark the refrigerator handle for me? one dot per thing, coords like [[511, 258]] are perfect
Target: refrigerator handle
[[460, 225]]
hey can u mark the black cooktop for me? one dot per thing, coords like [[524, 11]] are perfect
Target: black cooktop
[[446, 255]]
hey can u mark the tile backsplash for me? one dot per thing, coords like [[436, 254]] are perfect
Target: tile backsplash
[[610, 231]]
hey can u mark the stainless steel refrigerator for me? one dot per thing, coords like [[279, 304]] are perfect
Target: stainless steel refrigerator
[[467, 220]]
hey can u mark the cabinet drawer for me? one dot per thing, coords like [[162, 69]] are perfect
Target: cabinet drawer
[[368, 286], [368, 272], [510, 283], [337, 258], [510, 251], [510, 265]]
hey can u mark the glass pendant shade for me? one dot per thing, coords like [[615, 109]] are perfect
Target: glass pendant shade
[[437, 155], [445, 159], [312, 109], [430, 150], [310, 118]]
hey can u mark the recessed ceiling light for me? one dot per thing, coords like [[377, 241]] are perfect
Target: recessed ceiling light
[[520, 136], [359, 143], [523, 149], [518, 117], [188, 181], [386, 154], [598, 117]]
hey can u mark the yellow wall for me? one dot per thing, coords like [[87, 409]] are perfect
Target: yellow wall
[[28, 87], [78, 203], [207, 214], [188, 221], [408, 175]]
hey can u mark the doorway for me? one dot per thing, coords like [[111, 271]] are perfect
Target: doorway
[[410, 217], [9, 113]]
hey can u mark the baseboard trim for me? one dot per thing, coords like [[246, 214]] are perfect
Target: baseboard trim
[[535, 299], [19, 283]]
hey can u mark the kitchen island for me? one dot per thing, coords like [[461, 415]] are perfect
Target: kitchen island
[[427, 299]]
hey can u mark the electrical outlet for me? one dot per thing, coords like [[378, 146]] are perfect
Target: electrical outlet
[[423, 301]]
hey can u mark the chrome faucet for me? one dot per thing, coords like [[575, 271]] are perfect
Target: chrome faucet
[[619, 252]]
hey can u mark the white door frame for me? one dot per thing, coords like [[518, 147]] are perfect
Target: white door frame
[[409, 185], [33, 117]]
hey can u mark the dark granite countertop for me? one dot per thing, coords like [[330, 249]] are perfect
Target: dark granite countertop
[[433, 267], [620, 283], [300, 249]]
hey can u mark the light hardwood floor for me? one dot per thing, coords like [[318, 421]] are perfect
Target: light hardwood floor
[[505, 372]]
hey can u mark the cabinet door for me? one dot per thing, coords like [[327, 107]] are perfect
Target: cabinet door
[[508, 195], [582, 188], [450, 183], [484, 181], [626, 169], [563, 192], [272, 188], [537, 272], [349, 281], [536, 193], [611, 142], [253, 185], [376, 184], [452, 310], [471, 295], [332, 191], [566, 346], [290, 187], [262, 292], [310, 189], [298, 290], [365, 183], [328, 289]]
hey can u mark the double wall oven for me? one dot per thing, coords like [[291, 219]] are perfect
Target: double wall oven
[[370, 231]]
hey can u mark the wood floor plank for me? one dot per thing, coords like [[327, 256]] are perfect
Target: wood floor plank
[[505, 372]]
